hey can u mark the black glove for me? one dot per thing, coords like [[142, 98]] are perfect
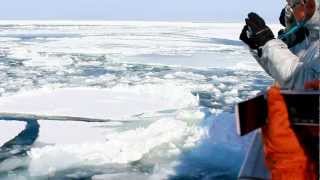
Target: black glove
[[244, 37], [255, 33]]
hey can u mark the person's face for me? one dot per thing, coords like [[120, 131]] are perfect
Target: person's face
[[303, 10]]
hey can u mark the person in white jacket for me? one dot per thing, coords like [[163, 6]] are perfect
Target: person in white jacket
[[294, 68]]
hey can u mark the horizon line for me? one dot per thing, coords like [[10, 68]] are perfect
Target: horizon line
[[92, 21]]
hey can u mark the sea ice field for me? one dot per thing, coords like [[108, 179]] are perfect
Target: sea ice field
[[167, 91]]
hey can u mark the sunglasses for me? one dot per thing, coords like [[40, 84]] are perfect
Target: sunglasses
[[294, 3]]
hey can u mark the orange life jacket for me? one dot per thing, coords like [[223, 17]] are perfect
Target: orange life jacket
[[285, 154]]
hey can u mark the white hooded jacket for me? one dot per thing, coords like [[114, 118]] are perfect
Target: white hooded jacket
[[297, 65]]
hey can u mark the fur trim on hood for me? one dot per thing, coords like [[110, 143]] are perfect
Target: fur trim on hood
[[314, 22]]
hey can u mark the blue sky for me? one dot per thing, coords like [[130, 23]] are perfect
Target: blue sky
[[168, 10]]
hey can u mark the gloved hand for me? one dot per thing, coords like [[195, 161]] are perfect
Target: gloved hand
[[244, 36], [255, 33]]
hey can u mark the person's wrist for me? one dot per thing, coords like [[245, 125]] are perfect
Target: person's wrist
[[259, 49], [267, 40], [265, 37]]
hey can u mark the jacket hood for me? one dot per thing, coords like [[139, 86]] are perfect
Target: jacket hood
[[314, 22]]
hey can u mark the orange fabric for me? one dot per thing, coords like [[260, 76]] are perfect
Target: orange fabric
[[285, 156]]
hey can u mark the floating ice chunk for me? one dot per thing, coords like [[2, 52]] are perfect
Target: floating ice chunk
[[216, 111], [169, 76], [90, 63], [103, 78], [13, 163], [222, 86], [9, 129], [189, 75], [73, 132], [225, 79], [233, 92], [47, 61], [118, 176], [115, 103], [121, 147], [190, 115], [231, 100]]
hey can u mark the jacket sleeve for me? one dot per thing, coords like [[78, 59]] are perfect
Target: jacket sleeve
[[278, 61]]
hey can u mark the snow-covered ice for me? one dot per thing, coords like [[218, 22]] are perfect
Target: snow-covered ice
[[167, 87]]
